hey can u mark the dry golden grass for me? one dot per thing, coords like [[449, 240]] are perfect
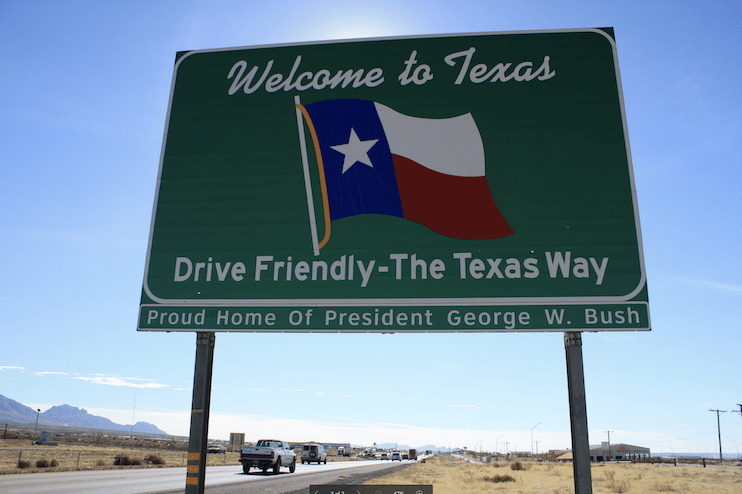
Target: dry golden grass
[[448, 475], [71, 456], [90, 457]]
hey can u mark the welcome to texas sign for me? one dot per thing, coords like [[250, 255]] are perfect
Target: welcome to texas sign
[[440, 183]]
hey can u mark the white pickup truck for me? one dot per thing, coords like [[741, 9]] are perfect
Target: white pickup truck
[[268, 454]]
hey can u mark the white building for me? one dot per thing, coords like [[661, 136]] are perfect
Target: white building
[[616, 452]]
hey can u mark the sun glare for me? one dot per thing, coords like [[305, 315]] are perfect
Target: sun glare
[[360, 25]]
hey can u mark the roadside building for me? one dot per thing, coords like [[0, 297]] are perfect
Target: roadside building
[[559, 455], [617, 452]]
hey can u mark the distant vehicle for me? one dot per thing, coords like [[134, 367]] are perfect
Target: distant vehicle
[[217, 448], [343, 451], [313, 452], [396, 456], [384, 456], [267, 454], [412, 454]]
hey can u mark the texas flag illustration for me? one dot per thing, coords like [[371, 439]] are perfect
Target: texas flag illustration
[[376, 160]]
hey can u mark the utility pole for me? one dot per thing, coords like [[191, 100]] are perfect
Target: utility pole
[[740, 410], [609, 444], [532, 438], [38, 411], [718, 427]]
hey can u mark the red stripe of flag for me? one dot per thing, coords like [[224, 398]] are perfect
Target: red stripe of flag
[[457, 207]]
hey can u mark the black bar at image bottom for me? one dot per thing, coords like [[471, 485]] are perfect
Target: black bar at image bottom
[[370, 489]]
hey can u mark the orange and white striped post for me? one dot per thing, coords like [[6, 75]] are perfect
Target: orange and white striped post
[[197, 444]]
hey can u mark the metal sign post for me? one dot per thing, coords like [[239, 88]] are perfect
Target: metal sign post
[[196, 471], [578, 414]]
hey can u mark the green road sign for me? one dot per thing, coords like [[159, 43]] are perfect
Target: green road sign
[[441, 183]]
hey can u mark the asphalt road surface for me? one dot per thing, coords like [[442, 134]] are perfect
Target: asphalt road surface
[[219, 479]]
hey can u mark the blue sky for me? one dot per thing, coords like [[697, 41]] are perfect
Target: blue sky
[[83, 99]]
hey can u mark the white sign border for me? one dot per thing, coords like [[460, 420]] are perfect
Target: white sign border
[[466, 301]]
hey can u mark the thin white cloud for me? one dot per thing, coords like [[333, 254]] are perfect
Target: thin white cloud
[[259, 390], [296, 390], [130, 382], [11, 367], [721, 286], [49, 373], [711, 284]]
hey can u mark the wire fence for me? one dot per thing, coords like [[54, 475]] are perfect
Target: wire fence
[[25, 449], [44, 458]]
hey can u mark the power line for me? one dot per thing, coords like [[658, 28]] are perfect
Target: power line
[[731, 439], [682, 438]]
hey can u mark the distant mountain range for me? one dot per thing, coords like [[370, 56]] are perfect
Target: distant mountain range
[[66, 416]]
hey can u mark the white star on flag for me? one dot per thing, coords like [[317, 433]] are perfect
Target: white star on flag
[[356, 150]]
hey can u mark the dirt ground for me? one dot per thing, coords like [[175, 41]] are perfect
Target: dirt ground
[[449, 475]]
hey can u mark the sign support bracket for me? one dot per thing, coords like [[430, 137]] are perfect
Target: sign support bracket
[[197, 443], [578, 413]]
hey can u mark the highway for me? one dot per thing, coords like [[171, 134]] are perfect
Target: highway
[[160, 480]]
